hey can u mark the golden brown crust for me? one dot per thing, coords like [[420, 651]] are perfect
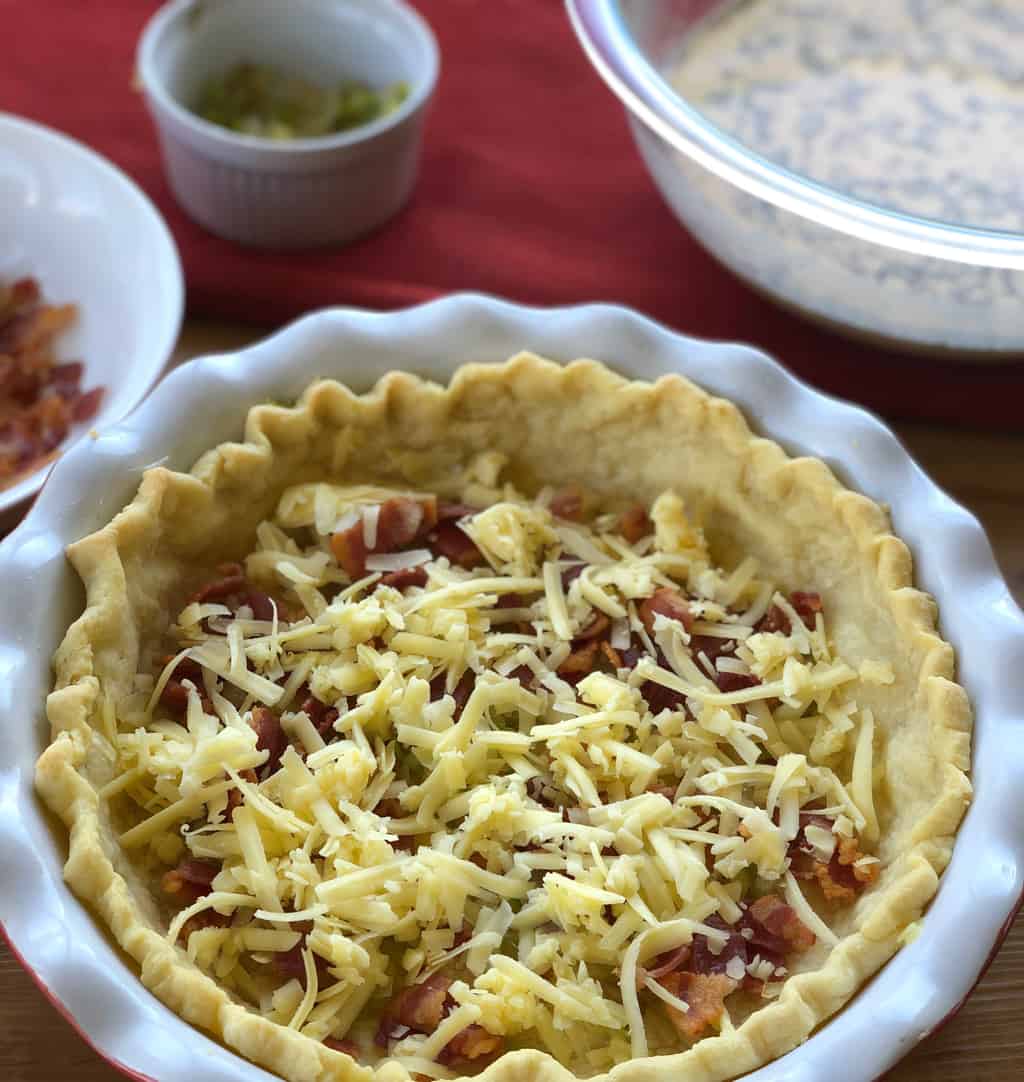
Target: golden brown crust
[[625, 441]]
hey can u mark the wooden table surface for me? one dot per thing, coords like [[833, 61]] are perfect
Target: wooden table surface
[[985, 1043]]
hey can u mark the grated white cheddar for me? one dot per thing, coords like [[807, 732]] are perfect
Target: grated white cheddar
[[511, 776]]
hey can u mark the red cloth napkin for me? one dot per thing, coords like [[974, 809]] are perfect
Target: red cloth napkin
[[531, 188]]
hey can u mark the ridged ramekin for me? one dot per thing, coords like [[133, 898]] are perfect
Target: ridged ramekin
[[205, 402], [299, 192]]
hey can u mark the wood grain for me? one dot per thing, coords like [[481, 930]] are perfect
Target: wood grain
[[984, 1043]]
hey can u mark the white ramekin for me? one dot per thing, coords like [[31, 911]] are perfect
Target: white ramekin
[[302, 192], [205, 402]]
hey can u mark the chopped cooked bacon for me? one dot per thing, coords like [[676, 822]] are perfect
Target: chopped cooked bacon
[[321, 715], [175, 695], [596, 628], [289, 964], [233, 589], [634, 523], [419, 1008], [772, 915], [400, 520], [807, 606], [448, 511], [190, 880], [473, 1042], [447, 539], [524, 675], [734, 681], [704, 994], [613, 656], [461, 694], [208, 918], [232, 581], [567, 503], [774, 620], [269, 737], [405, 578], [706, 961], [349, 549], [234, 794], [839, 880], [39, 399], [261, 605], [571, 574], [664, 964], [667, 791], [350, 1048], [666, 601], [579, 663]]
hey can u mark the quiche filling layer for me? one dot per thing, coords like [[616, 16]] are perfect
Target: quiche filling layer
[[432, 781]]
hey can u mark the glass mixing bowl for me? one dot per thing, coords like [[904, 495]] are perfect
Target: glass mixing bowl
[[872, 272]]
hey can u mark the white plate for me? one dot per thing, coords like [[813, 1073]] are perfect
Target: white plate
[[205, 402], [71, 220]]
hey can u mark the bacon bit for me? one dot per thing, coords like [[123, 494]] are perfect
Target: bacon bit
[[321, 715], [664, 964], [596, 628], [463, 935], [400, 521], [232, 581], [473, 1042], [446, 539], [389, 1030], [706, 962], [269, 737], [774, 620], [421, 1006], [175, 695], [660, 698], [839, 880], [261, 605], [571, 574], [461, 694], [579, 663], [524, 675], [734, 681], [289, 964], [350, 1048], [666, 601], [705, 994], [403, 519], [609, 651], [190, 880], [209, 918], [635, 523], [807, 606], [405, 578], [848, 852], [448, 511], [667, 791], [567, 503], [234, 795], [349, 550], [772, 915]]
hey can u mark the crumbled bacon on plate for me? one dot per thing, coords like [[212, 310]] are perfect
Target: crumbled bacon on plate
[[39, 399]]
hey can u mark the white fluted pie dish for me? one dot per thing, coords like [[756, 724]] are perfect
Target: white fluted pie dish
[[206, 402]]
